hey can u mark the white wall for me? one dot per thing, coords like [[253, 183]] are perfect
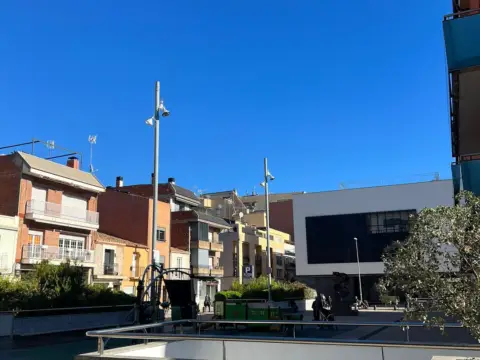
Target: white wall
[[253, 350], [8, 243], [173, 264], [351, 201]]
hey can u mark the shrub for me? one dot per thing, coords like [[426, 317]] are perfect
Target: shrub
[[52, 286], [258, 289], [229, 294]]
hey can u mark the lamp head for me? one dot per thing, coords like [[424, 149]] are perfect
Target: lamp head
[[150, 121], [163, 110], [262, 184]]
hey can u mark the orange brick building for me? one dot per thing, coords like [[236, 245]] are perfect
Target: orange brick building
[[56, 206]]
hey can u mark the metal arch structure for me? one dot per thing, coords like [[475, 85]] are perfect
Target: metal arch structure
[[143, 302]]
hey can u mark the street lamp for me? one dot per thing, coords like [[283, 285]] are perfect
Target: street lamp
[[266, 178], [359, 276], [154, 121]]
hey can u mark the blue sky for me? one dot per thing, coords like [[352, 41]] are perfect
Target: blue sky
[[354, 92]]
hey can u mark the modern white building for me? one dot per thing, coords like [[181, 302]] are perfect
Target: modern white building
[[8, 244], [326, 224]]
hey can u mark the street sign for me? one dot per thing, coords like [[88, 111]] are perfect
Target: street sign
[[248, 271]]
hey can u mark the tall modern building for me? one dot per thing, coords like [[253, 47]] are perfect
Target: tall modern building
[[462, 43]]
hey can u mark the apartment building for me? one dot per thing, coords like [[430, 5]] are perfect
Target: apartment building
[[246, 246], [57, 209], [193, 229], [129, 216], [461, 29]]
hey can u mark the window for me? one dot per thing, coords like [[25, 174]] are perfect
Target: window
[[279, 260], [179, 266], [161, 234], [210, 236], [279, 274], [202, 231], [389, 222], [71, 247]]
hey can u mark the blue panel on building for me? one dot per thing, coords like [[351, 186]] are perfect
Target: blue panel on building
[[468, 175], [462, 42]]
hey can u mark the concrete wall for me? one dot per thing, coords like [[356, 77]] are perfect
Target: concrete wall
[[25, 326], [253, 350], [376, 199]]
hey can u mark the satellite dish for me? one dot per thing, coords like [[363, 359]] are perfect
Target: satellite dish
[[240, 214]]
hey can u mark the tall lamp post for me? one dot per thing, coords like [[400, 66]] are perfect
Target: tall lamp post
[[154, 121], [359, 275], [267, 177]]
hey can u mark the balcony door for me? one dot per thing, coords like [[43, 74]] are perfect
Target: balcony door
[[71, 247], [108, 262], [35, 241]]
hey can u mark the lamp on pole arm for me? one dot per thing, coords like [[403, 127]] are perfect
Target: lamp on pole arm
[[359, 275], [266, 179], [154, 121]]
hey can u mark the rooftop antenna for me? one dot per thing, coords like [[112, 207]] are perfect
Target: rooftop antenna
[[50, 144], [92, 139]]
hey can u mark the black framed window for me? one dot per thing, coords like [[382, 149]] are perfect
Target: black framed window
[[161, 234]]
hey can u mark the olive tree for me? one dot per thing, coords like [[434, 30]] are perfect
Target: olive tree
[[438, 266]]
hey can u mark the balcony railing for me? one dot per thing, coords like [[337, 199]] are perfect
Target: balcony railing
[[110, 269], [216, 246], [44, 208], [55, 253], [200, 244]]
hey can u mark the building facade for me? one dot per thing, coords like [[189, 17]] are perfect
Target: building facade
[[179, 260], [326, 224], [245, 246], [56, 206], [461, 29], [129, 216], [8, 244], [109, 259]]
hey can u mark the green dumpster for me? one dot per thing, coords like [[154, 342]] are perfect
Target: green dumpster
[[258, 311], [219, 309], [235, 311]]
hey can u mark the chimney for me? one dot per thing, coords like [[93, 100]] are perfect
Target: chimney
[[119, 182], [171, 181], [73, 162]]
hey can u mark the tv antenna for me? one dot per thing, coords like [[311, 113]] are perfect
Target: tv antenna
[[92, 139], [50, 145]]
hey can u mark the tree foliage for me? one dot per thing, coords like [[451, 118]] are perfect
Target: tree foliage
[[438, 266]]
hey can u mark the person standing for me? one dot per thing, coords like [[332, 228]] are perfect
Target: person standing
[[207, 302]]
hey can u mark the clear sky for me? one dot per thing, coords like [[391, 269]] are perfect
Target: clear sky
[[330, 91]]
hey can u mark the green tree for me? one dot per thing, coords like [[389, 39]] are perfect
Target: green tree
[[438, 266]]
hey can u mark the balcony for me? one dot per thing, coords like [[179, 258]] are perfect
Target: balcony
[[33, 254], [216, 246], [200, 270], [216, 271], [51, 213], [110, 269], [462, 43], [200, 244]]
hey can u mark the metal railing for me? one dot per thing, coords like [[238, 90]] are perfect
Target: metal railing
[[36, 207], [47, 252], [461, 14], [128, 332], [110, 269]]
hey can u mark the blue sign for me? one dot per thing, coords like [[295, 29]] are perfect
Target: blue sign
[[248, 271]]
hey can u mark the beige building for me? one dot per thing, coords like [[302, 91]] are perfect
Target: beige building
[[247, 245], [179, 260], [109, 258]]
